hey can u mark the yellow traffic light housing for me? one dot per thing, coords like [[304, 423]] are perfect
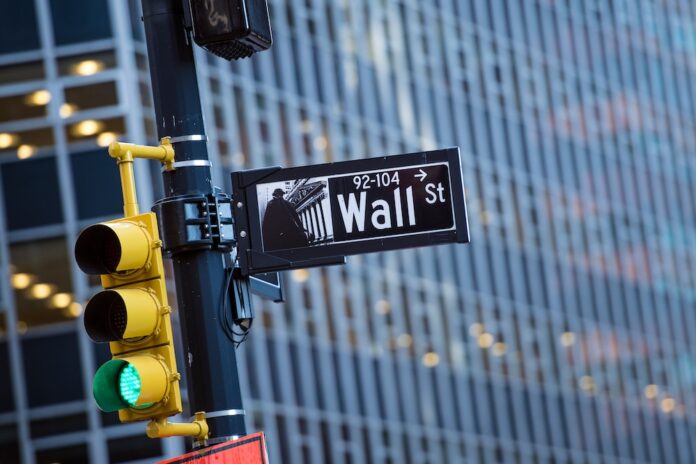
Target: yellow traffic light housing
[[114, 247], [133, 315]]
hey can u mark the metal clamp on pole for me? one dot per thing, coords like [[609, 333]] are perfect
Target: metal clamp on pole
[[162, 428], [196, 222]]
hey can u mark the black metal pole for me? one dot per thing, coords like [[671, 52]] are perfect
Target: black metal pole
[[210, 361]]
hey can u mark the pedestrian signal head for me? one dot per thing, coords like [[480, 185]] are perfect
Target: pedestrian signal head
[[231, 29]]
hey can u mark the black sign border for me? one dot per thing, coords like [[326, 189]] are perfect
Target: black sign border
[[252, 258]]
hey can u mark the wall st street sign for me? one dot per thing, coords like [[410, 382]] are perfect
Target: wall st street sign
[[316, 215]]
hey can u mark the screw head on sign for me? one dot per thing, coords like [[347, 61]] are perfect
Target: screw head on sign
[[242, 234]]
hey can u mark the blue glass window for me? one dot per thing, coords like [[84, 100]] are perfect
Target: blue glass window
[[6, 399], [32, 196], [52, 369], [133, 448], [79, 20], [18, 30], [9, 443], [94, 171], [68, 455]]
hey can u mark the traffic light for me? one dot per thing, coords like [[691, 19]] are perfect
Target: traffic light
[[132, 314], [231, 29]]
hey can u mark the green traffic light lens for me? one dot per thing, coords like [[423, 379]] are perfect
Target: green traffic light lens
[[118, 385], [129, 384]]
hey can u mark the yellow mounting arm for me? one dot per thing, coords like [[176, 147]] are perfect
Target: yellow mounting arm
[[162, 428], [125, 153]]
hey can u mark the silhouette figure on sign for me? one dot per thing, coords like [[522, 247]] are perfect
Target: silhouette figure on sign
[[282, 227]]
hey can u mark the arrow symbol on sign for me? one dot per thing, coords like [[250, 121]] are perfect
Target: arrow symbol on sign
[[421, 175]]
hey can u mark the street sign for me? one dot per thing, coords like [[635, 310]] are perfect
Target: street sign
[[250, 449], [316, 215]]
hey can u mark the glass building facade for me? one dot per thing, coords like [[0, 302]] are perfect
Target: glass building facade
[[564, 333]]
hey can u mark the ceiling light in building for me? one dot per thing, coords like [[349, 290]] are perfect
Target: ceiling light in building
[[41, 291], [239, 158], [476, 329], [75, 309], [404, 340], [382, 307], [321, 142], [567, 339], [499, 349], [22, 280], [651, 391], [7, 140], [39, 98], [486, 340], [300, 275], [67, 109], [106, 138], [22, 327], [88, 67], [25, 151], [667, 405], [431, 359], [87, 127], [61, 300], [587, 383]]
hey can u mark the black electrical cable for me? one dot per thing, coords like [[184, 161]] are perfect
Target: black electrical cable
[[228, 325], [224, 320], [242, 302]]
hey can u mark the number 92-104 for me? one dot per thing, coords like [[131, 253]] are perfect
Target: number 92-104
[[377, 179]]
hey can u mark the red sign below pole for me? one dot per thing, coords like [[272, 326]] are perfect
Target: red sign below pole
[[248, 450]]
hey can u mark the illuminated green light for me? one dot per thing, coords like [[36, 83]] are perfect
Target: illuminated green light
[[129, 384], [118, 385]]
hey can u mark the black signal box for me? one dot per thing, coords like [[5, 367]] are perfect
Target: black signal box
[[231, 29]]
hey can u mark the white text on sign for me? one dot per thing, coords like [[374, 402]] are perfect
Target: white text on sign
[[390, 202]]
